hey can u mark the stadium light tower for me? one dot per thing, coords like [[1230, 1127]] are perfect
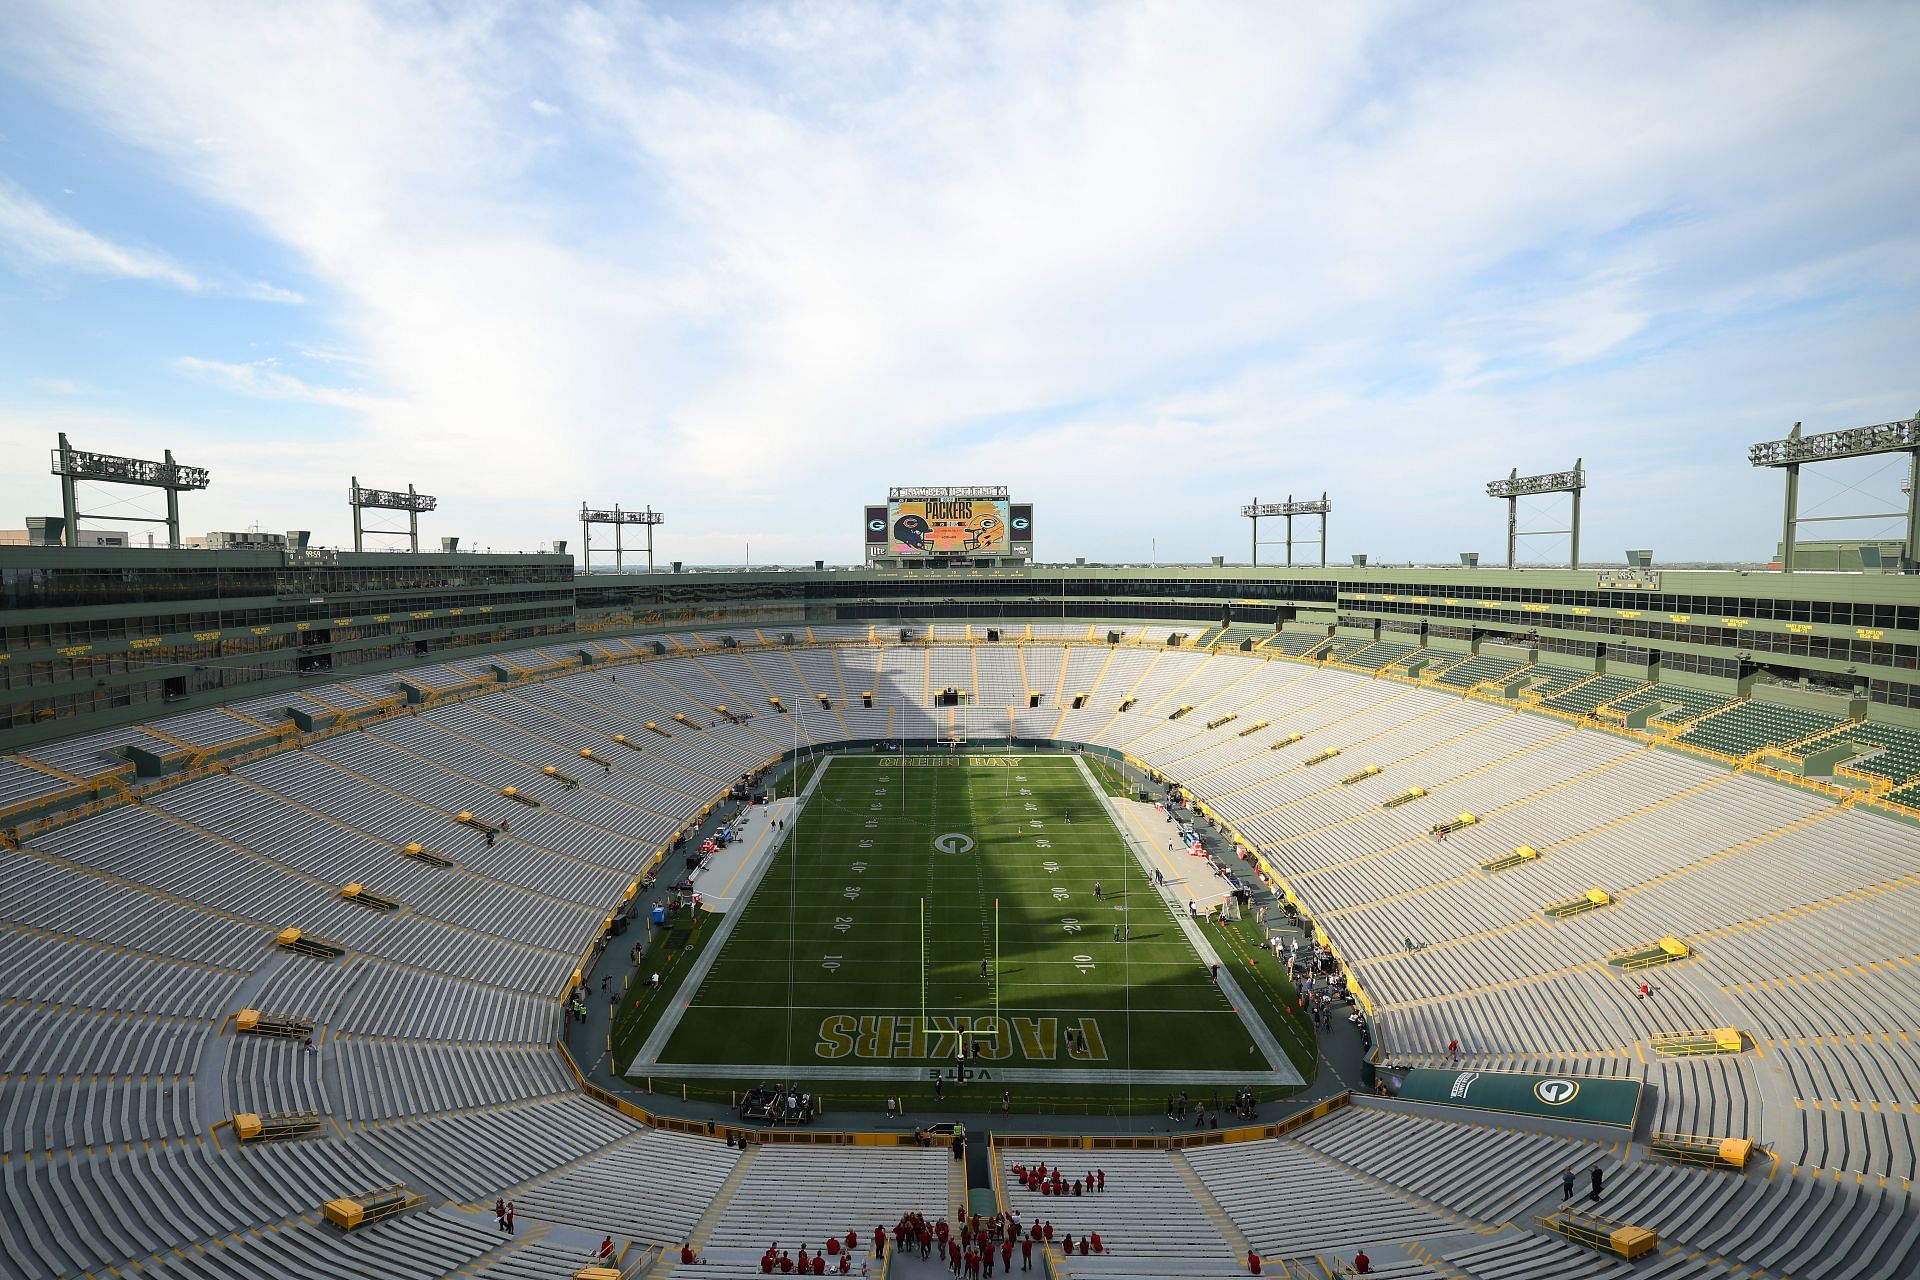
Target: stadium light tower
[[1288, 510], [1517, 486], [412, 503], [74, 465], [590, 516], [1855, 442]]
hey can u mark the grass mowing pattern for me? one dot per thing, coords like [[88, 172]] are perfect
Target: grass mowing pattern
[[825, 967]]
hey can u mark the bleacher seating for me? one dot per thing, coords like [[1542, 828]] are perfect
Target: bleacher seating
[[1341, 647], [1432, 662], [1296, 643], [435, 1065], [1746, 727], [803, 1194], [1893, 752], [1233, 636], [1591, 694], [1682, 703], [1147, 1210], [1379, 655], [1477, 670], [1554, 680]]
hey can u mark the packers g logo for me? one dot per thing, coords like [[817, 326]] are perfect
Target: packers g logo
[[877, 526], [954, 842], [1556, 1093], [1021, 522]]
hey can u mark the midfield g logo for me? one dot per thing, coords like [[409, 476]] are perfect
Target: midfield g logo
[[954, 842]]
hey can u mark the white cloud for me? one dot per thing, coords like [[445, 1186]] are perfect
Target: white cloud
[[261, 291], [34, 236], [773, 257], [262, 379]]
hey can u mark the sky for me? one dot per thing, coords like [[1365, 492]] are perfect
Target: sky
[[1142, 263]]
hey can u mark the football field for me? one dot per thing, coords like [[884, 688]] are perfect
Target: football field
[[923, 903]]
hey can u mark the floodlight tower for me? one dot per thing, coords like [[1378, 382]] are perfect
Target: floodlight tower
[[1855, 442], [590, 516], [1517, 486], [389, 500], [1289, 509], [74, 465]]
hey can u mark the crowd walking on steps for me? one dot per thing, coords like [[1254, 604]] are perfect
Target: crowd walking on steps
[[970, 1245]]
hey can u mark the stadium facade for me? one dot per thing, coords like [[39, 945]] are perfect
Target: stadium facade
[[96, 637]]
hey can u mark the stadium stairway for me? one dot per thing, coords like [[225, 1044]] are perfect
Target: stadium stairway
[[1237, 1244], [716, 1209]]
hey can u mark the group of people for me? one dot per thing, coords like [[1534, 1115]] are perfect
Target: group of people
[[1053, 1182], [1206, 1115], [1594, 1177], [777, 1104], [834, 1256], [973, 1247], [1320, 986]]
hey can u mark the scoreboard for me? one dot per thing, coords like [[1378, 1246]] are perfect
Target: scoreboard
[[958, 524]]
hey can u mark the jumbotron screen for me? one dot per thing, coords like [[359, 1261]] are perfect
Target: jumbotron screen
[[948, 526]]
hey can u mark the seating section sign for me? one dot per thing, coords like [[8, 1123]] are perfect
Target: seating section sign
[[1588, 1099]]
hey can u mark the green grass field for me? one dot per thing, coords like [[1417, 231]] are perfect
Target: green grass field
[[825, 967]]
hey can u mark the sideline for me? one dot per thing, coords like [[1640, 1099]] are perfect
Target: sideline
[[1127, 824], [650, 1048]]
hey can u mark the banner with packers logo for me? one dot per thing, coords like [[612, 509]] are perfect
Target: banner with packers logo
[[1610, 1100], [949, 526]]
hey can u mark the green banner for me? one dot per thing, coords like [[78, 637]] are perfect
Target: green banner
[[1607, 1100]]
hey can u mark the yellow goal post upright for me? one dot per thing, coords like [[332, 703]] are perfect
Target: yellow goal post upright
[[962, 1038]]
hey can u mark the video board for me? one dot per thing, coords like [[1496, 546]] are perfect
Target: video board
[[958, 522], [948, 527]]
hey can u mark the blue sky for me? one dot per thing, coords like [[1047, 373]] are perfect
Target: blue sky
[[753, 263]]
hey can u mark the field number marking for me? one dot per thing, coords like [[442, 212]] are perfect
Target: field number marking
[[830, 963], [1060, 893], [843, 923], [851, 892], [1049, 867], [1083, 963], [1070, 923]]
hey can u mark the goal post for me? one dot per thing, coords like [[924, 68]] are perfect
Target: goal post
[[938, 1039]]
